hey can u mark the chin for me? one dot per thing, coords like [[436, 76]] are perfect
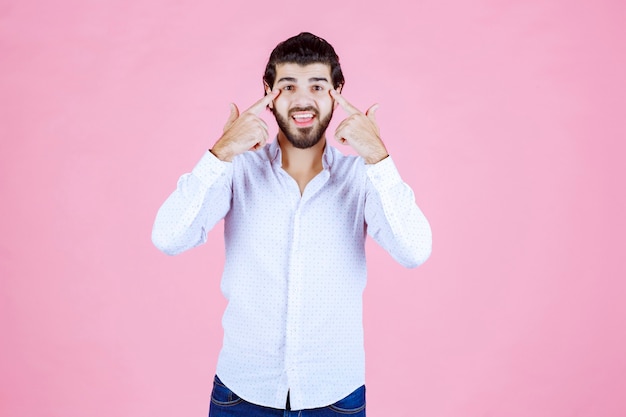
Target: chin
[[303, 142]]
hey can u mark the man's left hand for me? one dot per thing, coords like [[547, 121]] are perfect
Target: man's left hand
[[360, 131]]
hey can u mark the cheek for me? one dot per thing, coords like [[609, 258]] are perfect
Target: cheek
[[281, 105], [327, 106]]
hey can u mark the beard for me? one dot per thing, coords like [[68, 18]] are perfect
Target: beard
[[303, 137]]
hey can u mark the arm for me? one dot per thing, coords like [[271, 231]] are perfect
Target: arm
[[201, 199], [393, 219]]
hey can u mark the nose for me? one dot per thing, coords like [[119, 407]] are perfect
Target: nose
[[302, 98]]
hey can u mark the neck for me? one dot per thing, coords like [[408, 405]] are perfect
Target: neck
[[301, 160]]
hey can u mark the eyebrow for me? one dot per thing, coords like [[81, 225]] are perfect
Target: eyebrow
[[318, 79], [311, 80]]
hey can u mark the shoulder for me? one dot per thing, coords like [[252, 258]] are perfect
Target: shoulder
[[253, 159], [341, 164]]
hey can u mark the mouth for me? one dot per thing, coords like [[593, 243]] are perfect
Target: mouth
[[303, 119]]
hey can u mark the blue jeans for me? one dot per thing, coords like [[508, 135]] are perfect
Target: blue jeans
[[225, 403]]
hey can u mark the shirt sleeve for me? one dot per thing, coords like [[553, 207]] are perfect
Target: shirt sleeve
[[393, 218], [201, 199]]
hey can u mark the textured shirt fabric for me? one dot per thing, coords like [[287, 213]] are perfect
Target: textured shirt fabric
[[295, 268]]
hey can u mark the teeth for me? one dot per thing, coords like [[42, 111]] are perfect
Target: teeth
[[302, 116]]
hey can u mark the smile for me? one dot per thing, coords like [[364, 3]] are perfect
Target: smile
[[303, 119]]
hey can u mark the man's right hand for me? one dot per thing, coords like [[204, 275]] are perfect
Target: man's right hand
[[245, 131]]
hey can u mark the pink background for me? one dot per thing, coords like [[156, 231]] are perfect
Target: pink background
[[507, 118]]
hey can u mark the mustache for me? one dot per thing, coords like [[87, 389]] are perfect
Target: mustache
[[303, 109]]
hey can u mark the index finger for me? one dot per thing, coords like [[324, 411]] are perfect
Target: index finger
[[344, 103], [260, 105]]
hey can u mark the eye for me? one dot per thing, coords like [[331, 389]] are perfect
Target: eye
[[317, 88], [288, 87]]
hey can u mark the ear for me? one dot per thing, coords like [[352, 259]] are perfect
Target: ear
[[267, 91], [338, 89]]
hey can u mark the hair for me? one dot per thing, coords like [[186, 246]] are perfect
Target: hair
[[304, 49]]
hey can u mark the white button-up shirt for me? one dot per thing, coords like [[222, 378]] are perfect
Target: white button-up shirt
[[295, 265]]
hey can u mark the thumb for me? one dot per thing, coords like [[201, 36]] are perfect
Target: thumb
[[234, 114], [371, 112]]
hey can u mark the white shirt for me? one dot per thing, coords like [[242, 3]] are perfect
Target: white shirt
[[295, 265]]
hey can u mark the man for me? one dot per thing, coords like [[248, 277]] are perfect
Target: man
[[296, 213]]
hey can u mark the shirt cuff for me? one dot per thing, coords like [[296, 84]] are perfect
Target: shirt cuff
[[209, 168], [384, 174]]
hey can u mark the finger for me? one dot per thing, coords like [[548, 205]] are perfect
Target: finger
[[261, 143], [264, 126], [340, 132], [349, 108], [340, 139], [343, 126], [371, 112], [234, 114], [260, 105]]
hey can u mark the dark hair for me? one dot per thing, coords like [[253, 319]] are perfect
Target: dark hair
[[304, 49]]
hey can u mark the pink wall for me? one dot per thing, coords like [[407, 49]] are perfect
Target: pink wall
[[507, 118]]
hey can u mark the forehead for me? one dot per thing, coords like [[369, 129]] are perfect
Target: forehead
[[303, 72]]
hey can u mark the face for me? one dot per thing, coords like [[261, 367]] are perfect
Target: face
[[304, 107]]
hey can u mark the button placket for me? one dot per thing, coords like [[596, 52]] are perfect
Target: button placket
[[294, 294]]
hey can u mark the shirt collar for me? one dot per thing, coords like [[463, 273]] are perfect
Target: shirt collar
[[275, 154], [273, 151]]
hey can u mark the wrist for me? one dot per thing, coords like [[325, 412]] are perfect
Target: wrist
[[373, 161], [221, 153], [376, 156]]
